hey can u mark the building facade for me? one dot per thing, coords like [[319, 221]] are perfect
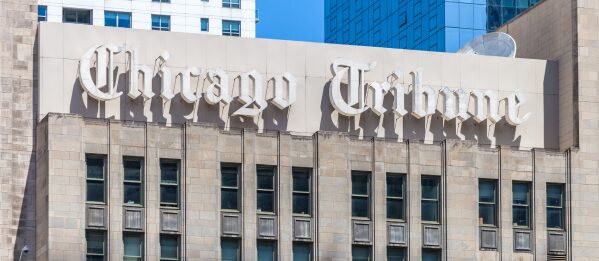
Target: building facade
[[216, 17], [252, 149], [430, 25]]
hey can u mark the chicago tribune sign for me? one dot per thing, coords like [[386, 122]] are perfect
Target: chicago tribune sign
[[348, 97]]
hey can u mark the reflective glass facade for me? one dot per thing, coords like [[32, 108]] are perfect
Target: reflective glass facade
[[435, 25]]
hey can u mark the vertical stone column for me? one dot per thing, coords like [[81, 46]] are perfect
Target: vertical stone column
[[285, 201], [249, 196], [115, 191], [66, 189], [462, 201], [334, 193], [203, 190], [18, 121], [379, 190], [152, 167]]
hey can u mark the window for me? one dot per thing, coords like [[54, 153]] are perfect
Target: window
[[133, 181], [266, 189], [96, 170], [161, 22], [133, 246], [162, 1], [117, 19], [360, 253], [487, 202], [42, 13], [360, 190], [229, 191], [169, 247], [231, 28], [302, 251], [555, 206], [395, 196], [230, 250], [77, 16], [205, 24], [267, 250], [302, 187], [431, 254], [521, 204], [430, 199], [169, 183], [396, 254], [96, 244], [232, 3]]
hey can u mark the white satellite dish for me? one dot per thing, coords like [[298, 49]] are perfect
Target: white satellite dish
[[491, 44]]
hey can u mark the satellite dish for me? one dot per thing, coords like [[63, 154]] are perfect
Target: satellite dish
[[491, 44]]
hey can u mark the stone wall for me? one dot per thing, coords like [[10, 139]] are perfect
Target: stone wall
[[202, 148], [18, 28]]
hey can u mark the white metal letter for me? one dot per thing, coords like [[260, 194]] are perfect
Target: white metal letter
[[422, 108], [247, 99], [218, 79], [85, 78], [186, 93], [480, 114], [134, 70], [356, 93], [379, 91], [514, 101], [166, 90], [279, 83]]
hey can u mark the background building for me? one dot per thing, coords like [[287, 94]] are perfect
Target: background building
[[218, 17], [435, 25]]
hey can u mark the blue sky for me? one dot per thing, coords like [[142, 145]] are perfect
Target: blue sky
[[300, 20]]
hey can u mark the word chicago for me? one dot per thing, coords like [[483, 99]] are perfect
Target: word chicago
[[424, 98]]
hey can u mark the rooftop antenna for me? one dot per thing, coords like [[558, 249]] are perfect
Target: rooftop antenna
[[491, 44]]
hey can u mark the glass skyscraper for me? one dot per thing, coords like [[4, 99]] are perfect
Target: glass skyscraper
[[435, 25]]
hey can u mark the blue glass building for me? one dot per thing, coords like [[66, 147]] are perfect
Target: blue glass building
[[435, 25]]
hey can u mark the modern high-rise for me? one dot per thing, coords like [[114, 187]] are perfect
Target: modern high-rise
[[432, 25], [217, 17]]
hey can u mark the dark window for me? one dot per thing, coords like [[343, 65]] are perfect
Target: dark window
[[117, 19], [302, 191], [360, 253], [555, 206], [77, 16], [230, 250], [266, 189], [430, 199], [96, 173], [133, 181], [302, 251], [396, 254], [232, 3], [521, 204], [487, 202], [96, 245], [133, 246], [431, 254], [360, 187], [42, 13], [229, 191], [267, 250], [395, 196], [231, 28], [169, 183], [161, 22], [169, 247], [205, 24]]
